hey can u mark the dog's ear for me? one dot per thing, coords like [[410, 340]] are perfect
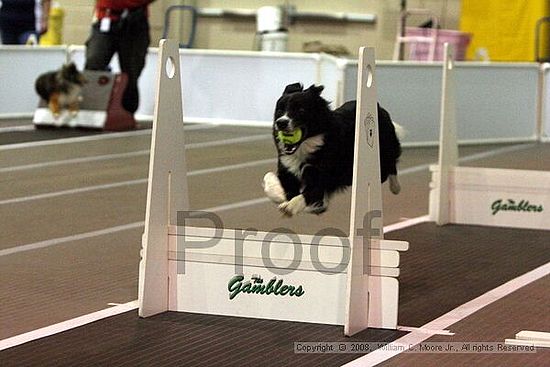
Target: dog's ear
[[293, 88], [315, 89], [69, 68]]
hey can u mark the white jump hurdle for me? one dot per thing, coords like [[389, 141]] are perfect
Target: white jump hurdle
[[259, 274], [482, 196]]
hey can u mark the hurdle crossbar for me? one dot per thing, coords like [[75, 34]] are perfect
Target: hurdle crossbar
[[331, 280]]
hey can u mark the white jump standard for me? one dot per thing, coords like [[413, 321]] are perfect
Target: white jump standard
[[536, 339], [232, 272], [482, 196]]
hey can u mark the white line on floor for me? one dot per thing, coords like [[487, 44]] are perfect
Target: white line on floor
[[76, 237], [493, 152], [425, 331], [199, 172], [416, 336], [66, 325], [216, 209], [79, 190], [244, 139], [57, 241], [78, 139], [94, 137], [406, 223], [113, 185], [138, 153], [469, 158], [237, 205], [96, 158], [194, 127], [11, 129], [371, 359], [206, 171], [111, 311], [443, 322], [404, 171]]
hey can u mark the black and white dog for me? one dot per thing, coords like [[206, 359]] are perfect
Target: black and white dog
[[319, 161]]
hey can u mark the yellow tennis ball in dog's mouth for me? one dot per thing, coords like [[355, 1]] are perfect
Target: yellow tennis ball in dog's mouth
[[290, 138]]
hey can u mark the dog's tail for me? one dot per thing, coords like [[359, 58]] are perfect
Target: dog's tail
[[399, 130]]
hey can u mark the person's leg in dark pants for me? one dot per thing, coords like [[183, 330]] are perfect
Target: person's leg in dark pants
[[134, 41], [14, 35], [100, 48], [9, 38]]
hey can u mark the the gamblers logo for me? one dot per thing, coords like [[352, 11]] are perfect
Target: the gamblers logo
[[256, 285], [510, 205]]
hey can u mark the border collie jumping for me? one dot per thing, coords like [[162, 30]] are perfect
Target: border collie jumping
[[315, 148]]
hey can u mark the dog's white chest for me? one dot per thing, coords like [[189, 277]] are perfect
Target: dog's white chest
[[294, 162]]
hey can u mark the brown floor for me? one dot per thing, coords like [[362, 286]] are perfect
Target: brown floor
[[525, 309], [458, 263], [174, 339], [43, 286]]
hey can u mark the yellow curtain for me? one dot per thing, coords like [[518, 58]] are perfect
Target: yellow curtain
[[505, 29]]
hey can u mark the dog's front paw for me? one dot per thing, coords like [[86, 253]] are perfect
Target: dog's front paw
[[273, 189], [294, 206]]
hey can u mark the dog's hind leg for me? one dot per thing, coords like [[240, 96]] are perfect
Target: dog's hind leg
[[395, 187]]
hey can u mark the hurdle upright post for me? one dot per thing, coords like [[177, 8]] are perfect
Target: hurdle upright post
[[366, 226], [167, 190], [448, 148]]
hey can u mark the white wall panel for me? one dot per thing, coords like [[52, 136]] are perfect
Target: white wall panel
[[19, 68], [495, 102]]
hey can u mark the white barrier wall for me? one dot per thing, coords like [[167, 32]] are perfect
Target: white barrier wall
[[227, 86], [495, 102], [19, 68], [240, 87], [410, 92], [331, 75]]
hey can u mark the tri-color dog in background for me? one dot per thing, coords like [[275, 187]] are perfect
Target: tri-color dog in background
[[61, 89], [315, 148]]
